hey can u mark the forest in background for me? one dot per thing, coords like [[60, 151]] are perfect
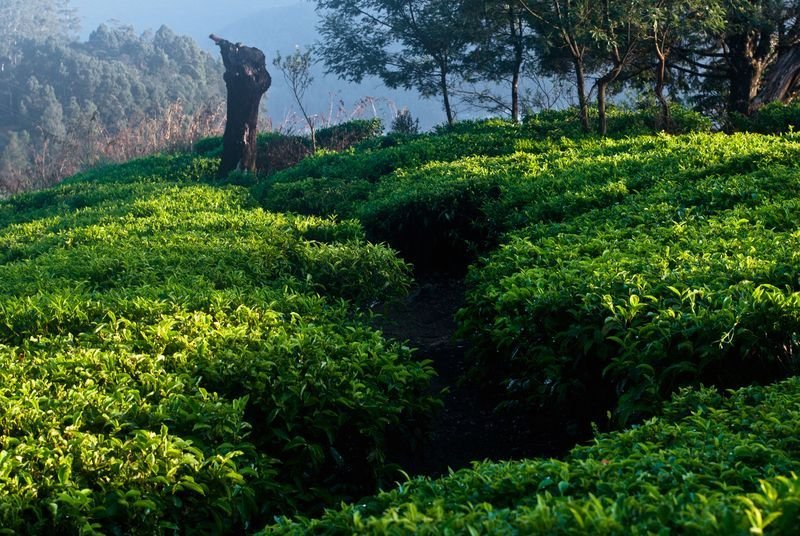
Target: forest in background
[[67, 105]]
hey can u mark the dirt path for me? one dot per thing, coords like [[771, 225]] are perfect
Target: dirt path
[[467, 428]]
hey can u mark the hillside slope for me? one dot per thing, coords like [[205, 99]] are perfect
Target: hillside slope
[[179, 353], [604, 276], [174, 356]]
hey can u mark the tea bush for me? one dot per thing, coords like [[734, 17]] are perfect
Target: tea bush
[[347, 134], [627, 267], [175, 358], [211, 147], [435, 197], [372, 163], [378, 157], [278, 151], [110, 441], [425, 196], [772, 118], [713, 464], [674, 264], [442, 215]]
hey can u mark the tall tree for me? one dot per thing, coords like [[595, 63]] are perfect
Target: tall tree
[[413, 44], [754, 35], [679, 24], [564, 28], [502, 44], [619, 28], [750, 46], [783, 83]]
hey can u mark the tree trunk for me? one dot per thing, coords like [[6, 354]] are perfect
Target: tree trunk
[[601, 106], [582, 101], [783, 80], [515, 115], [602, 85], [749, 56], [519, 55], [661, 75], [445, 95], [246, 79]]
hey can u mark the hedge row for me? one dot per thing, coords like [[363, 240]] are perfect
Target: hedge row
[[772, 118], [174, 357], [714, 463], [672, 263], [627, 267], [432, 196]]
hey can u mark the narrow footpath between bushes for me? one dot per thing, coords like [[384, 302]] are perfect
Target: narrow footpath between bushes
[[467, 429]]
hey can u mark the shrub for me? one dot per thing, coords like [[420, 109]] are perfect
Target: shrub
[[375, 159], [279, 151], [714, 464], [404, 124], [670, 264], [211, 147], [109, 441], [385, 186], [621, 122], [772, 118], [444, 198], [434, 216], [175, 358], [685, 120], [344, 135]]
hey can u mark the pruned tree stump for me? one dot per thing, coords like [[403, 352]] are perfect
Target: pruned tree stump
[[246, 79]]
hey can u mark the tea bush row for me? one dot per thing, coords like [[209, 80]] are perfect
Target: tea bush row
[[298, 188], [174, 357], [772, 118], [287, 190], [433, 196], [714, 463], [697, 227], [277, 151], [676, 263]]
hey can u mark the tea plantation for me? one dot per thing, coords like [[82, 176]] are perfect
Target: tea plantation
[[174, 357], [181, 354]]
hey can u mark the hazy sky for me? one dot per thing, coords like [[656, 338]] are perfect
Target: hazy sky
[[197, 18]]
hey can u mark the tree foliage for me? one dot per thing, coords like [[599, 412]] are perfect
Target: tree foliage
[[502, 49], [715, 53], [33, 19], [565, 41], [416, 44], [727, 68], [678, 24]]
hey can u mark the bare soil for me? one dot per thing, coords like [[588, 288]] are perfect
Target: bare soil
[[468, 428]]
